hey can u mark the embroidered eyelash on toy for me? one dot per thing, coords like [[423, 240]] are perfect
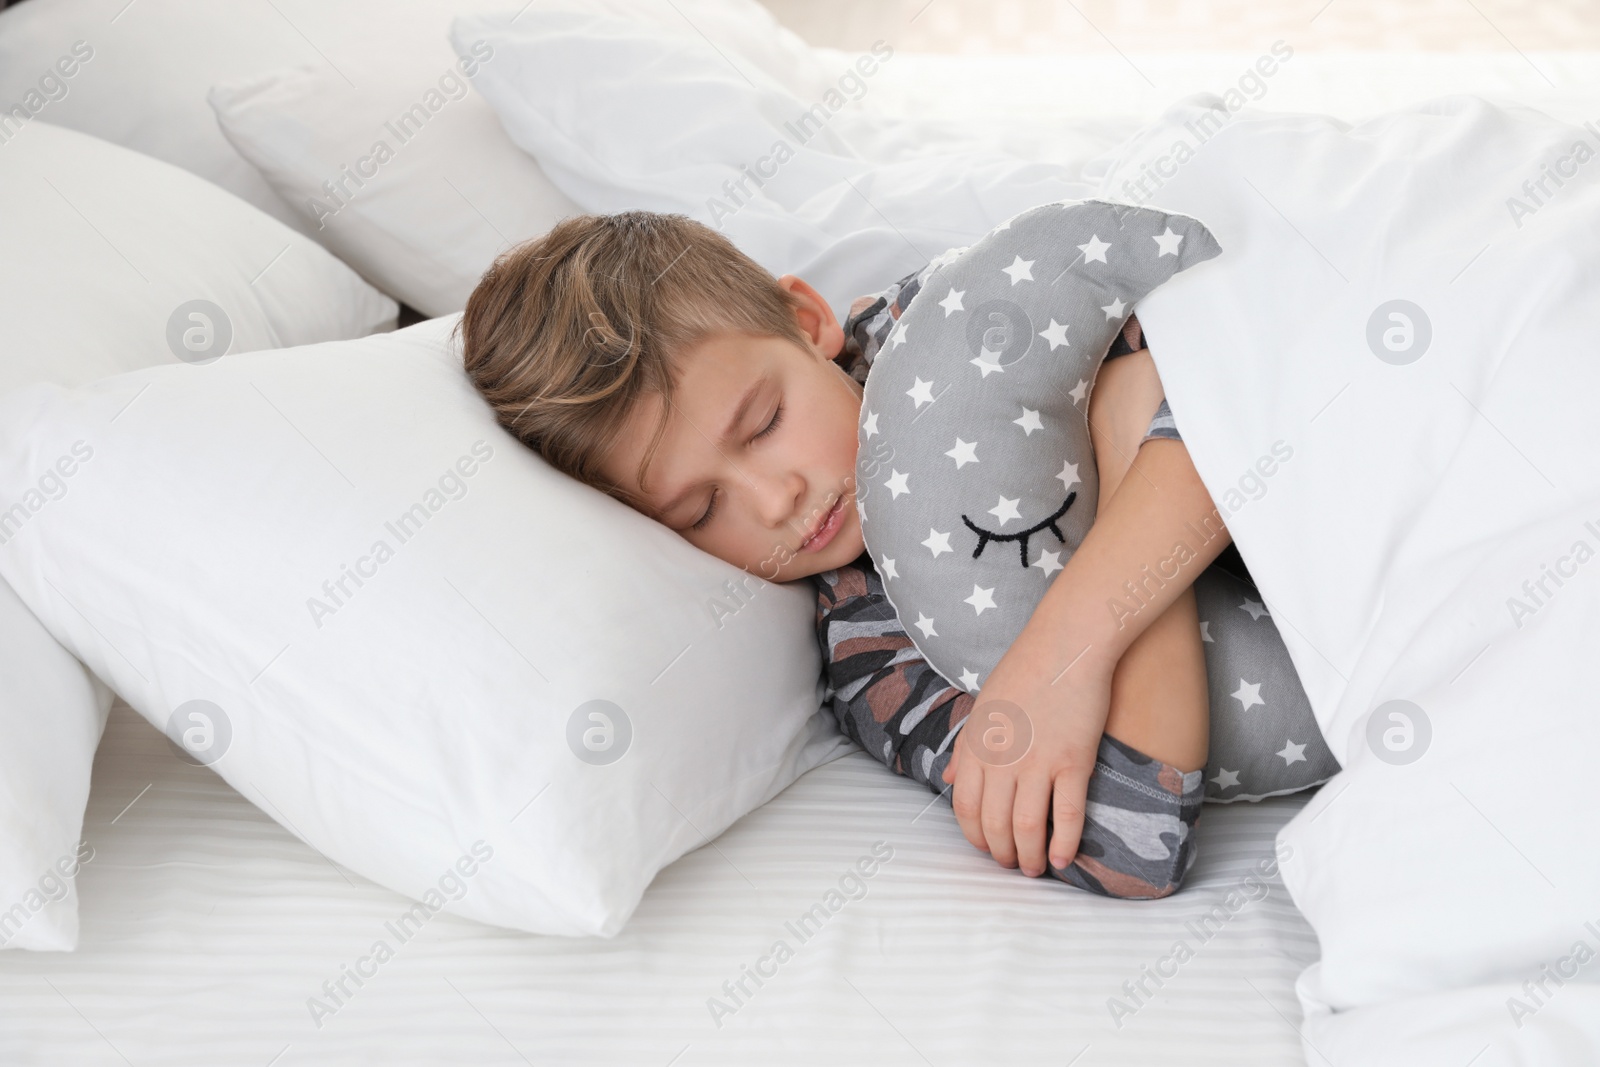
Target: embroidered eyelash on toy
[[1021, 536], [997, 352]]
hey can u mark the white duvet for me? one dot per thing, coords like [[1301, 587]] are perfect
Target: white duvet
[[1434, 539]]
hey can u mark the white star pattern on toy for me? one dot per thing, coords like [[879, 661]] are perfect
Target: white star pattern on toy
[[1205, 632], [969, 680], [1021, 270], [1114, 309], [937, 542], [897, 336], [870, 423], [1068, 475], [1056, 335], [888, 569], [1291, 752], [1225, 778], [952, 302], [921, 392], [1029, 421], [1095, 250], [965, 452], [897, 484], [1248, 694], [1168, 243], [1049, 562], [1079, 391], [987, 361], [1006, 510], [981, 599], [925, 624], [1255, 608]]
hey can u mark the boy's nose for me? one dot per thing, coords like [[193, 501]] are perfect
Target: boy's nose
[[781, 500]]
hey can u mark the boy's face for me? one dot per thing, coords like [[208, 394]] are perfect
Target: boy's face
[[776, 498]]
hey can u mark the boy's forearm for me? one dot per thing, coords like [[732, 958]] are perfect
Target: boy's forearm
[[1147, 544]]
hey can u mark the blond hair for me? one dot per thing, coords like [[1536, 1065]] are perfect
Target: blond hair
[[567, 332]]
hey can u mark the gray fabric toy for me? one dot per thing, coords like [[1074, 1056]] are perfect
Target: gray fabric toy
[[976, 477], [1264, 739]]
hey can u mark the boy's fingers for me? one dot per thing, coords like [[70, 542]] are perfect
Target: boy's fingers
[[967, 801], [952, 770], [999, 793], [1070, 793], [1028, 814], [953, 766]]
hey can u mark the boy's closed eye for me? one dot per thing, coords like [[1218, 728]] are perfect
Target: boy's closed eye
[[711, 505]]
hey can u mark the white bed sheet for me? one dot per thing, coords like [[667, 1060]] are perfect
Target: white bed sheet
[[206, 927]]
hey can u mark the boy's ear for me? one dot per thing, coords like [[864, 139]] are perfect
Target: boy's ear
[[816, 318]]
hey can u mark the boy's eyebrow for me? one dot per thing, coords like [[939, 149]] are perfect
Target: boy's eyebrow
[[739, 413]]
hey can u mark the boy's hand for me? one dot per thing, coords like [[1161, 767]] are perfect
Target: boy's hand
[[1036, 725], [1027, 751]]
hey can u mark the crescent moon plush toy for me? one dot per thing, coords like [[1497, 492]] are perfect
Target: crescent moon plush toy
[[975, 474]]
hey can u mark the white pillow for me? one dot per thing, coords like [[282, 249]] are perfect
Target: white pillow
[[140, 77], [442, 188], [664, 122], [144, 84], [53, 712], [401, 621], [108, 251]]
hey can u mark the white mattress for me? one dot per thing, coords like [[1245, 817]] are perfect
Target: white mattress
[[206, 927]]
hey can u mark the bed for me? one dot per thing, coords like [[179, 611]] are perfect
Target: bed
[[210, 934]]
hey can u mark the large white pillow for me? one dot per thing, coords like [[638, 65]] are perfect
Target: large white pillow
[[665, 122], [105, 255], [411, 641], [52, 712], [141, 74], [144, 84]]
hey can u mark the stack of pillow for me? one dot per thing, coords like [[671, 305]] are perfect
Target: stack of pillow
[[113, 261], [301, 544]]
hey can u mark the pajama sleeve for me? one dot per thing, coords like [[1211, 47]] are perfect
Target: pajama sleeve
[[1138, 831], [1131, 339]]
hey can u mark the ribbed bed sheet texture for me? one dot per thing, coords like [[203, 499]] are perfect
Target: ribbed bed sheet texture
[[212, 936]]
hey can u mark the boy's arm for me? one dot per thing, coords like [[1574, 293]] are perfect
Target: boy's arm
[[886, 697], [1146, 546], [889, 699], [1160, 703]]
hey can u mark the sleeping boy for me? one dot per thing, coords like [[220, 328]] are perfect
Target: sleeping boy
[[645, 355]]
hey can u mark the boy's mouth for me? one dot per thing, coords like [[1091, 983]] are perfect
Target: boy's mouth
[[826, 529]]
